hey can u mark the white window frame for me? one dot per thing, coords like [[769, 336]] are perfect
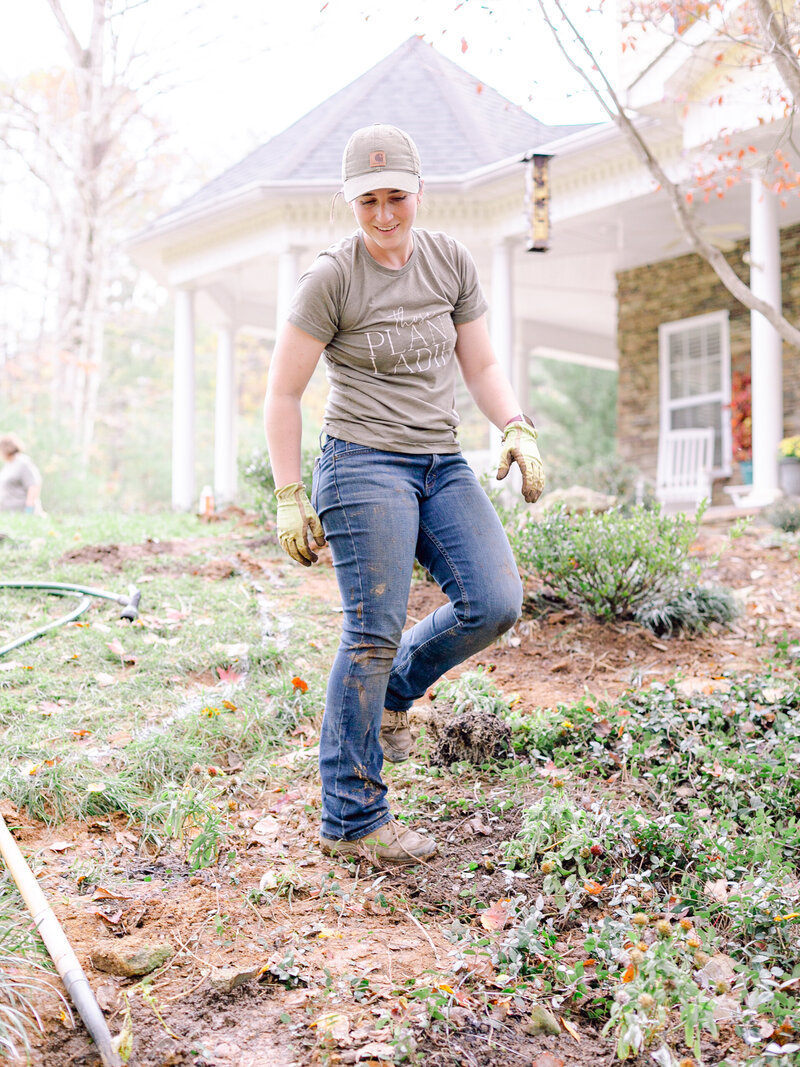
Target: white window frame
[[667, 405]]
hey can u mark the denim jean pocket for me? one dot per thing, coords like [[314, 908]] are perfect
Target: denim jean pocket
[[315, 483]]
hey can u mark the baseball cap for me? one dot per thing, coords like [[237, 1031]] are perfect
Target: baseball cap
[[379, 157]]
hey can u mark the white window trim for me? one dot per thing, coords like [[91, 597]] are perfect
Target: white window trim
[[665, 405]]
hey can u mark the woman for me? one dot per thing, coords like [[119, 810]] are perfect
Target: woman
[[394, 309], [20, 481]]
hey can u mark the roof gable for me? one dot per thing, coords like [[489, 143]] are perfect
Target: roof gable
[[458, 123]]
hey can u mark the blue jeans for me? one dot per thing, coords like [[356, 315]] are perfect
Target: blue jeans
[[379, 511]]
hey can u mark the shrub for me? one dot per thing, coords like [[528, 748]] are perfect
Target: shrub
[[693, 609], [618, 566], [785, 515], [257, 474]]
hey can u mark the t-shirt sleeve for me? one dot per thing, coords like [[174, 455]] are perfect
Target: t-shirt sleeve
[[316, 304], [471, 302]]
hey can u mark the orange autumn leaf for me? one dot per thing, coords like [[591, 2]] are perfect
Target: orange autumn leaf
[[593, 888], [298, 683], [464, 45], [101, 893], [630, 971], [567, 1025]]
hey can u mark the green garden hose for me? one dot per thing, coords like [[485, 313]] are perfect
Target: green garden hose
[[130, 605]]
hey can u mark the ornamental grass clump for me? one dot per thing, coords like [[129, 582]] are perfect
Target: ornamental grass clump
[[614, 565]]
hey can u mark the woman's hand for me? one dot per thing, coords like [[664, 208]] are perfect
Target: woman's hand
[[296, 520], [519, 446]]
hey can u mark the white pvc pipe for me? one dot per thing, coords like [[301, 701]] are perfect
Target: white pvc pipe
[[58, 946]]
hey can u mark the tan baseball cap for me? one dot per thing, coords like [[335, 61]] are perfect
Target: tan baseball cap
[[380, 157]]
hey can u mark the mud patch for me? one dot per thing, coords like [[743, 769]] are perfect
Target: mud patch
[[473, 735]]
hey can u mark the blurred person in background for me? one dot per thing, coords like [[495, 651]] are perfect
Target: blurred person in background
[[20, 480]]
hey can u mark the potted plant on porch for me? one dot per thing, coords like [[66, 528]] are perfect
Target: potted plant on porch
[[789, 472], [742, 425]]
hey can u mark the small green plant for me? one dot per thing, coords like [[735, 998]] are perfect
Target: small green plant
[[659, 980], [613, 565], [195, 818], [472, 691], [257, 475]]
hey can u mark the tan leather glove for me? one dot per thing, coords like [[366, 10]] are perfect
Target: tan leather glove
[[296, 520], [519, 445]]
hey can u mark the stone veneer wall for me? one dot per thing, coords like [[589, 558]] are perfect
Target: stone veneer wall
[[680, 289]]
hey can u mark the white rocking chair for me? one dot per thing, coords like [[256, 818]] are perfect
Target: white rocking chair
[[685, 463]]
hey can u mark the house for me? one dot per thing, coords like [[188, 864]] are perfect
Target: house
[[614, 288]]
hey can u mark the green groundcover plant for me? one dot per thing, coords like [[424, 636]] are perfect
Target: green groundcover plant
[[614, 565]]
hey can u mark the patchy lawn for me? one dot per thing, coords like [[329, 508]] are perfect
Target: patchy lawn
[[619, 879]]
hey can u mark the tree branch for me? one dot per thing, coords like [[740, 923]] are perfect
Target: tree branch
[[74, 47], [709, 253], [773, 26]]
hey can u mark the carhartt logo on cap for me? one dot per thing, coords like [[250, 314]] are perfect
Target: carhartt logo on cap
[[379, 157]]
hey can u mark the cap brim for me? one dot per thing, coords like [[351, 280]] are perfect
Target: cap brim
[[385, 179]]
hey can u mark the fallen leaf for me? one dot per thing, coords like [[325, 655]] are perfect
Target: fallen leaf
[[60, 846], [374, 1050], [107, 996], [266, 827], [104, 679], [119, 739], [630, 973], [717, 890], [333, 1025], [569, 1028], [547, 1059], [478, 826], [101, 893], [112, 917], [593, 888], [496, 917], [229, 675]]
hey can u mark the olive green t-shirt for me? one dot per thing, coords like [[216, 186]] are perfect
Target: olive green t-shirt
[[389, 340]]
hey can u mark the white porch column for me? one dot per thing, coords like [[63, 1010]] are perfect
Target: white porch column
[[288, 273], [225, 418], [183, 403], [501, 322], [766, 347]]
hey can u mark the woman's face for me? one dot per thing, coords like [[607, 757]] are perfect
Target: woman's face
[[386, 217]]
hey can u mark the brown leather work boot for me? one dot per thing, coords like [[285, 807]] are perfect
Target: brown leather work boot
[[395, 736], [393, 844]]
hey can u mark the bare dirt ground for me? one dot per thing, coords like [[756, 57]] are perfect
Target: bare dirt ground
[[304, 977]]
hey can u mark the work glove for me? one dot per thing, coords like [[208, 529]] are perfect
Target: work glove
[[519, 445], [296, 520]]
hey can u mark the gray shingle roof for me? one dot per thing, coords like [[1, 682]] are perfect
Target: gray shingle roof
[[457, 122]]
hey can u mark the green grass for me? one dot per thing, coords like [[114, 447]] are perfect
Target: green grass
[[25, 971], [105, 715]]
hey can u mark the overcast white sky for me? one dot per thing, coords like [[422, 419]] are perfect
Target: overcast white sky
[[252, 67]]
